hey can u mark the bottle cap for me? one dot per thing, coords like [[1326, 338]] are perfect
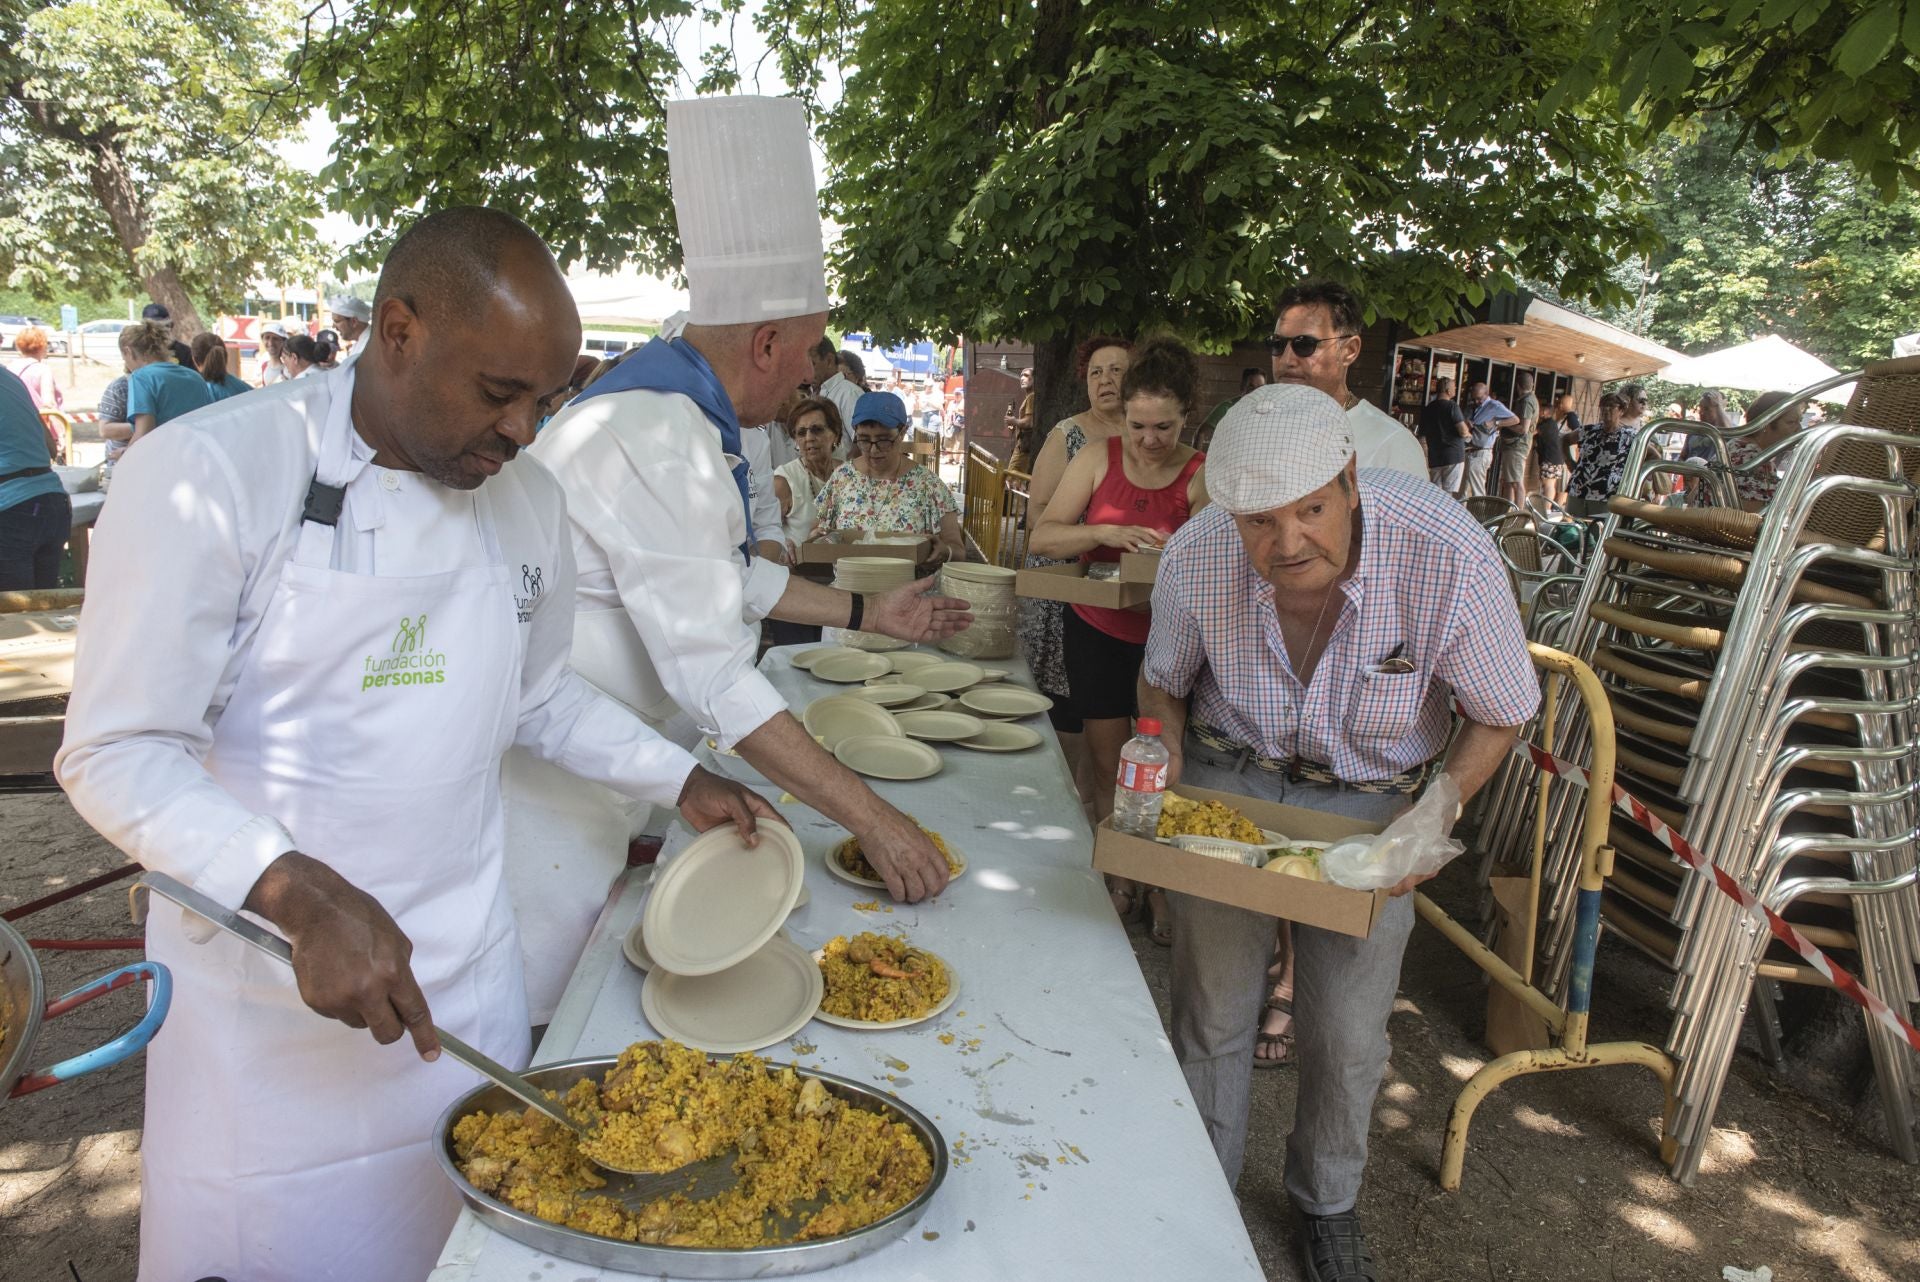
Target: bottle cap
[[1147, 725]]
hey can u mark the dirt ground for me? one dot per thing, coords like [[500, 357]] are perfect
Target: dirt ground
[[1562, 1179]]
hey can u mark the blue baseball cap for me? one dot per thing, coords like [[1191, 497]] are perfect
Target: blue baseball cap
[[883, 408]]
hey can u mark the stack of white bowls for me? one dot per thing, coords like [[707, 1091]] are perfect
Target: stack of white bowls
[[869, 574], [989, 589]]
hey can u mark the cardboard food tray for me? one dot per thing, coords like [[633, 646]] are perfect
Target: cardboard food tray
[[1139, 567], [1070, 583], [831, 549], [1312, 903]]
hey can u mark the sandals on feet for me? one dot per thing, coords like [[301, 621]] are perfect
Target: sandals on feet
[[1277, 1047], [1160, 931]]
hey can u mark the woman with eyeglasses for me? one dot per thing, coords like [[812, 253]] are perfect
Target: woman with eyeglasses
[[813, 425], [882, 490], [1102, 362], [1603, 458], [1129, 496]]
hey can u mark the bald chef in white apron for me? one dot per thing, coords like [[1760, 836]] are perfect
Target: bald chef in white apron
[[670, 592], [319, 616]]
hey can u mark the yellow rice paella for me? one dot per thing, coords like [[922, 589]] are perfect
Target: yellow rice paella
[[878, 978], [1185, 817], [664, 1105]]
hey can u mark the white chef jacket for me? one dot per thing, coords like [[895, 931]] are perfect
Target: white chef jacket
[[185, 560], [1381, 440], [845, 394], [657, 527]]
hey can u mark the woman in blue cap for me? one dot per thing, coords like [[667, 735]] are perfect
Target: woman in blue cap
[[881, 490]]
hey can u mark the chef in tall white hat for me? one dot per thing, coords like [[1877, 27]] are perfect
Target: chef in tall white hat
[[657, 495], [297, 705]]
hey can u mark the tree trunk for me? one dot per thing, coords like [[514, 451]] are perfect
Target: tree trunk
[[113, 186], [1058, 389]]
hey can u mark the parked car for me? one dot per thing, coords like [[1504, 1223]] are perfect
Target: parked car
[[100, 340], [12, 325]]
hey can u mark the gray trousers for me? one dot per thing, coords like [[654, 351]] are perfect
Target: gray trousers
[[1479, 464], [1343, 990]]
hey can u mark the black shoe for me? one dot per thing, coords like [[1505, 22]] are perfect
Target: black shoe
[[1334, 1248]]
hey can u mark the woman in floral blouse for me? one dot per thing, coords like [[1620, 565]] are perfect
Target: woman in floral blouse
[[882, 490], [1603, 460]]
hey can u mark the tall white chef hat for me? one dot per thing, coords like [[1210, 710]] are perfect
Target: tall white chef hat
[[1277, 445], [350, 307], [749, 216]]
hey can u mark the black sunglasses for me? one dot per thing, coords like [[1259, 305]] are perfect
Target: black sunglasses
[[1304, 345]]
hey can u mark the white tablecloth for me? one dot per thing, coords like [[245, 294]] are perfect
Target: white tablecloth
[[1077, 1150]]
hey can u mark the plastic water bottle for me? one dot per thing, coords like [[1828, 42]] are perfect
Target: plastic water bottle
[[1141, 785]]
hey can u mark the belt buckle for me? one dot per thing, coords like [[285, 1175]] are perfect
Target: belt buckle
[[1294, 774]]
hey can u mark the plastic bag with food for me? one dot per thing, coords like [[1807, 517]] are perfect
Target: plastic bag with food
[[1415, 844]]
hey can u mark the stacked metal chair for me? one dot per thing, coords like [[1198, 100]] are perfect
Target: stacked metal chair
[[1764, 676]]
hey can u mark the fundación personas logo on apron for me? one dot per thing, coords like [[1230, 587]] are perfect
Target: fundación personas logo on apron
[[411, 663], [531, 586]]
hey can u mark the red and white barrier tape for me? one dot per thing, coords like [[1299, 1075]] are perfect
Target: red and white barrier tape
[[1828, 969]]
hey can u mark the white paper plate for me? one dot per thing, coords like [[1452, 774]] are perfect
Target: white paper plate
[[906, 661], [765, 999], [891, 694], [990, 675], [635, 947], [832, 859], [716, 902], [943, 678], [842, 716], [850, 668], [1005, 701], [926, 703], [939, 726], [841, 1021], [807, 658], [1003, 736], [886, 757]]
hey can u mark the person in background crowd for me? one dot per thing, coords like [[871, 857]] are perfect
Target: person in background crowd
[[210, 358], [1603, 459], [853, 369], [158, 389], [115, 430], [1550, 447], [1757, 483], [1102, 362], [1272, 611], [1250, 378], [1488, 419], [350, 319], [160, 316], [1444, 430], [305, 355], [1713, 413], [1633, 406], [33, 343], [814, 426], [35, 513], [881, 489], [328, 341], [1516, 441], [830, 381], [273, 349], [1129, 497], [1019, 424], [1316, 339]]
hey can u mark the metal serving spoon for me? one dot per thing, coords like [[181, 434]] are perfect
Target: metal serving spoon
[[657, 1182]]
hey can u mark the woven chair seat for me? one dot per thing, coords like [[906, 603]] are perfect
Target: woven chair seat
[[1689, 630], [1723, 571]]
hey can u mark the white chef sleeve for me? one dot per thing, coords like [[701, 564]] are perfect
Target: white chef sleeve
[[681, 584], [563, 719], [164, 589]]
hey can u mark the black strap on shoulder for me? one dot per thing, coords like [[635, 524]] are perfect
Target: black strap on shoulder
[[324, 502]]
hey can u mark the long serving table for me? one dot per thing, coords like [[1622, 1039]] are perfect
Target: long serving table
[[1077, 1152]]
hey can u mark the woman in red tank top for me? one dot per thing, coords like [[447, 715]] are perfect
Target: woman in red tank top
[[1129, 497]]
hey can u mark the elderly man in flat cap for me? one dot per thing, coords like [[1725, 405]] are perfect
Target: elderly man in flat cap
[[1320, 620]]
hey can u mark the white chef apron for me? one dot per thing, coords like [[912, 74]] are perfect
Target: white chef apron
[[567, 837], [282, 1146]]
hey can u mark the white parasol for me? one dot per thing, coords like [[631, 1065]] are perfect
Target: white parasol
[[1765, 364]]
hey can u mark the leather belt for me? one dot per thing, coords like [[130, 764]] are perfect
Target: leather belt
[[1298, 769]]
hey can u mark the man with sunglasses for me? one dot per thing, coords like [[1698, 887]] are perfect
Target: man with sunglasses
[[1316, 338]]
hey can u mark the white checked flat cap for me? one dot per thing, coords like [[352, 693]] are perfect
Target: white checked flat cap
[[1275, 446]]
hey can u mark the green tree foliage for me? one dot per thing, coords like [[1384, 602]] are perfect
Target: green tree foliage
[[139, 152], [1839, 79], [1805, 249]]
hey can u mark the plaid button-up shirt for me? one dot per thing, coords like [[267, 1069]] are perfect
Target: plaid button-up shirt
[[1429, 587]]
